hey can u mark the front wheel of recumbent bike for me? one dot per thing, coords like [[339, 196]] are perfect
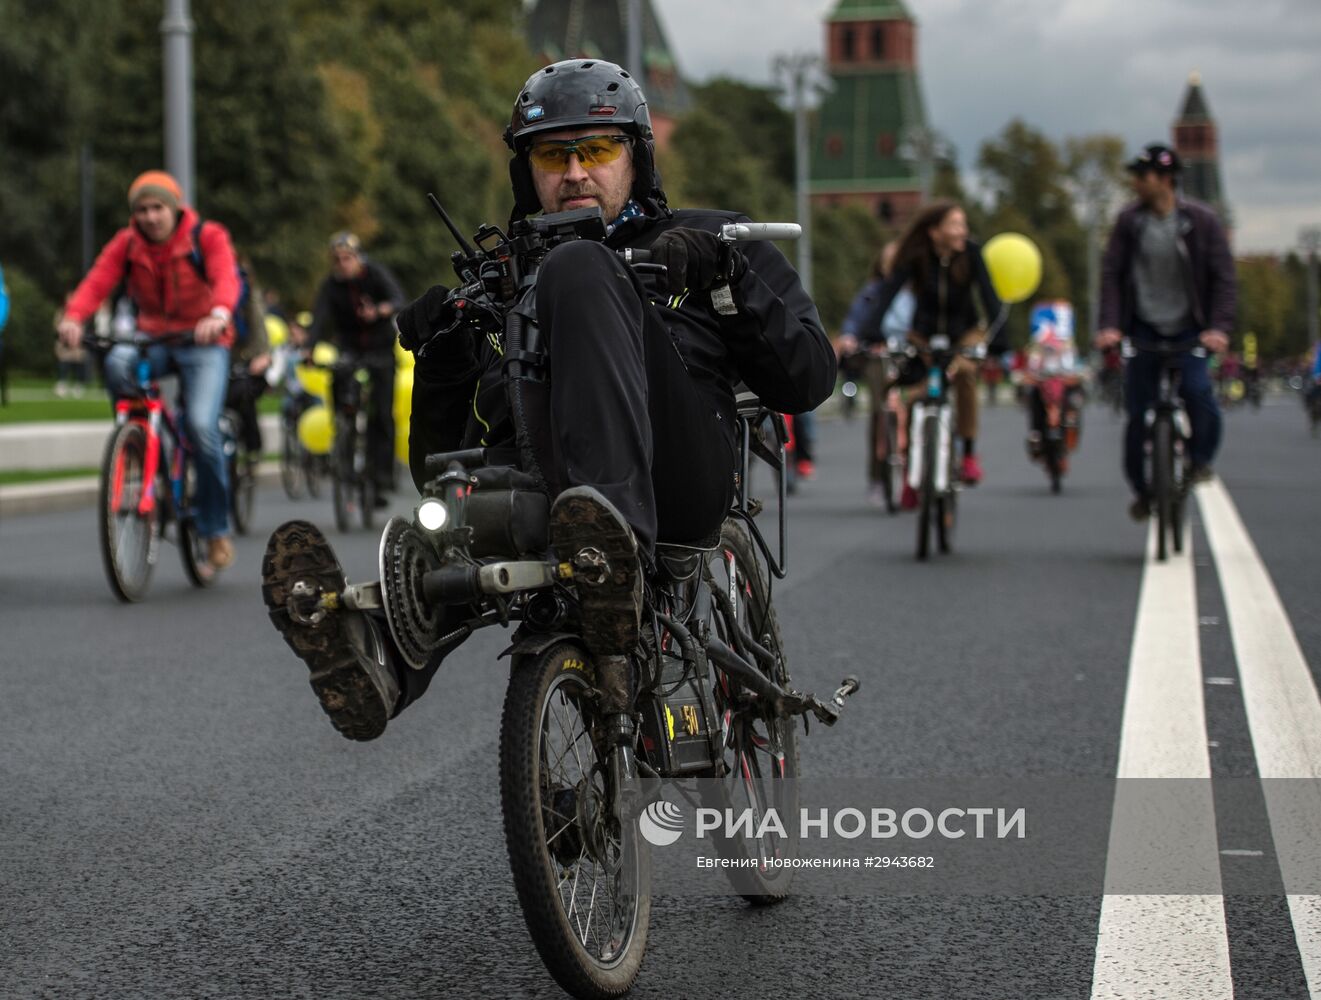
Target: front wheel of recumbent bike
[[761, 748], [128, 539], [584, 883]]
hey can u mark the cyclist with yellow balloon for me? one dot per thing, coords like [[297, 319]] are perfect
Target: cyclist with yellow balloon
[[948, 274]]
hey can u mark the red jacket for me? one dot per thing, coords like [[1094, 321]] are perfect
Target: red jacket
[[162, 281]]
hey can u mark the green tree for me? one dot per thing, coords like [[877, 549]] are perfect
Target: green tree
[[425, 93], [741, 128], [845, 240]]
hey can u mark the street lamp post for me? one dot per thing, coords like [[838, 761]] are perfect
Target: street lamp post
[[798, 69], [635, 42], [177, 80], [922, 147], [1310, 238]]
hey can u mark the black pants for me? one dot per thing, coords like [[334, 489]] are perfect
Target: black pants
[[623, 402], [241, 397], [627, 416], [380, 415]]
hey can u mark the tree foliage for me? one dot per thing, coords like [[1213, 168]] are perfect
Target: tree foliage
[[316, 115], [309, 117]]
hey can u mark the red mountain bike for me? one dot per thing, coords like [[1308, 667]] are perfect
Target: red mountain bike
[[148, 482]]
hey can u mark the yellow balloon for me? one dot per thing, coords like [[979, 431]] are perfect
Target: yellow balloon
[[325, 354], [277, 330], [315, 430], [403, 359], [314, 380], [1015, 265], [403, 409]]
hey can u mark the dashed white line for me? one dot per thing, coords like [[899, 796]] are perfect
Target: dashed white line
[[1172, 946], [1283, 711]]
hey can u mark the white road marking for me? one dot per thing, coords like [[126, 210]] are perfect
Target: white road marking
[[1173, 945], [1283, 710]]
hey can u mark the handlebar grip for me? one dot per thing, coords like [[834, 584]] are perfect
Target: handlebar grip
[[737, 232], [633, 255]]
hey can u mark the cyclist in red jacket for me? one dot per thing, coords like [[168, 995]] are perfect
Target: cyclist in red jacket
[[181, 275]]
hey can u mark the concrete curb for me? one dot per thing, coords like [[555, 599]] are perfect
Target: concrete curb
[[80, 492]]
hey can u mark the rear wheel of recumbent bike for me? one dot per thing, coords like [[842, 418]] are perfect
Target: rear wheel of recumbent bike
[[761, 749], [128, 540], [584, 883]]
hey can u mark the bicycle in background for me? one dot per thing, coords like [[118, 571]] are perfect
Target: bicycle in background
[[932, 471], [1168, 431], [148, 483]]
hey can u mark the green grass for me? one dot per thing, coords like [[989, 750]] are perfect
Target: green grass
[[36, 402], [43, 475], [21, 411]]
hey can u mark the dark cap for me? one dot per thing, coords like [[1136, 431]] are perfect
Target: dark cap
[[1158, 157]]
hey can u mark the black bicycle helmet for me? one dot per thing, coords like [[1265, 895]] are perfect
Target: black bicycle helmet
[[572, 94]]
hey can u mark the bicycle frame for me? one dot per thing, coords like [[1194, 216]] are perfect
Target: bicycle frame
[[151, 411], [937, 398]]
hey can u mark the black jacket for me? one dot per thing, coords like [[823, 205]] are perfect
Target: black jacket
[[335, 313], [775, 344], [1208, 268], [943, 306]]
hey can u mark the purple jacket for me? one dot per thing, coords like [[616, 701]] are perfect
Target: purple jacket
[[1208, 268]]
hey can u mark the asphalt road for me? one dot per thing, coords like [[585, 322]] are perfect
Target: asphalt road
[[178, 819]]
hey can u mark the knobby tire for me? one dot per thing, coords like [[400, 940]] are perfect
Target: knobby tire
[[545, 688]]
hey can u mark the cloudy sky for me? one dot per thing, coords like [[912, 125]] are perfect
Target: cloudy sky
[[1073, 67]]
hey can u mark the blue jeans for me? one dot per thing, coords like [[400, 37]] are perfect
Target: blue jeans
[[204, 374], [1141, 383]]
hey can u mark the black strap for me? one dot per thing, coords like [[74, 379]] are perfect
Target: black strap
[[194, 255]]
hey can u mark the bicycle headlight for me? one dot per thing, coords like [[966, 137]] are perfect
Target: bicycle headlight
[[432, 514]]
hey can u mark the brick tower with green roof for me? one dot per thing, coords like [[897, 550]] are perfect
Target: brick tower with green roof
[[1196, 140], [598, 29], [874, 113]]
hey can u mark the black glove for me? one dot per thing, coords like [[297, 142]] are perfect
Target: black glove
[[696, 260], [434, 313]]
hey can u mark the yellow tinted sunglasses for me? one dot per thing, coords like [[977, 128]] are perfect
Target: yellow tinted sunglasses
[[552, 155]]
